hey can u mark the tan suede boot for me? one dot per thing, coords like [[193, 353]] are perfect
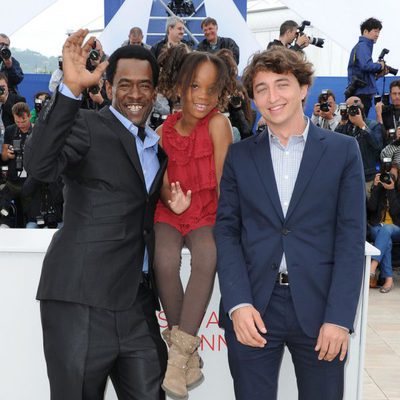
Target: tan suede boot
[[194, 376], [183, 346]]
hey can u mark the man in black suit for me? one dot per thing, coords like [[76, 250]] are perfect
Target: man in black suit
[[97, 292]]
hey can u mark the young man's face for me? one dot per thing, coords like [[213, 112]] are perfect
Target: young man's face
[[395, 96], [210, 32], [372, 34], [132, 91], [23, 122], [279, 98]]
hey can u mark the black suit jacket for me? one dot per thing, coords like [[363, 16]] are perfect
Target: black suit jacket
[[97, 257]]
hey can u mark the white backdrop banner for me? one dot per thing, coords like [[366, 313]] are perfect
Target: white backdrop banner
[[232, 24], [131, 13], [341, 22], [15, 16]]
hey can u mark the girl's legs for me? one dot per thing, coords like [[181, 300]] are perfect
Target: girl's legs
[[167, 263], [201, 282]]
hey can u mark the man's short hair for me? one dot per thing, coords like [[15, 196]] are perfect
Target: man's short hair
[[134, 52], [135, 32], [393, 84], [288, 25], [279, 60], [208, 21], [3, 35], [328, 94], [3, 77], [369, 24], [171, 22], [19, 109]]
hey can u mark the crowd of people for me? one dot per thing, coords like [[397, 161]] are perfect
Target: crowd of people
[[91, 159]]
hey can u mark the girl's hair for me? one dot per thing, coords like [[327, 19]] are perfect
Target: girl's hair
[[170, 61], [227, 57], [179, 74]]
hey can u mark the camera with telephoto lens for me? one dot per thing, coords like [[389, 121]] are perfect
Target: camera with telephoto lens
[[324, 105], [94, 89], [236, 101], [386, 166], [5, 52], [39, 104], [16, 147], [94, 54], [356, 83], [318, 42], [354, 109], [381, 57]]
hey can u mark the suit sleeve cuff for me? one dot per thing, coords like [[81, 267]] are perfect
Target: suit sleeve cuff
[[339, 326], [64, 90], [237, 307]]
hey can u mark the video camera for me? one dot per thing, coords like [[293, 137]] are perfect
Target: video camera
[[16, 147], [5, 52], [356, 83], [391, 70], [319, 42], [181, 7], [48, 215]]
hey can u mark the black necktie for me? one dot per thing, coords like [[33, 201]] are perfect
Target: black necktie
[[141, 133]]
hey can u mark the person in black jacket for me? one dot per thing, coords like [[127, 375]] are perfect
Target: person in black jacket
[[212, 42], [7, 100], [384, 220], [288, 35], [9, 65]]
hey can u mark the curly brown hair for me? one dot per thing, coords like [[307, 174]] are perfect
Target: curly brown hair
[[281, 61], [178, 74], [227, 57], [170, 61]]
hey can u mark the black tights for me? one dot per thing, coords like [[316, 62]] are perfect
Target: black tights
[[185, 309]]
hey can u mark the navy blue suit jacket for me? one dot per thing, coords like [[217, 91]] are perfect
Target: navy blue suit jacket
[[322, 235]]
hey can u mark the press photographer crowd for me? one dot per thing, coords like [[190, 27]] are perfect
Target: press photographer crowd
[[26, 202]]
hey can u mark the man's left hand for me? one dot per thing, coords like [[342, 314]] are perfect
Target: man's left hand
[[331, 341]]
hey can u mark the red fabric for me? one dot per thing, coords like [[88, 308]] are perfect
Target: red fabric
[[191, 163]]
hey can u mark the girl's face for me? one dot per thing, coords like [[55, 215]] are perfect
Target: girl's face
[[202, 95]]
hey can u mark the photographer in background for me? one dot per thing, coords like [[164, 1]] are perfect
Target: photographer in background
[[57, 76], [368, 134], [389, 114], [45, 206], [9, 65], [95, 97], [361, 68], [326, 113], [13, 155], [135, 38], [392, 150], [384, 222], [7, 100], [40, 100], [212, 42], [287, 35]]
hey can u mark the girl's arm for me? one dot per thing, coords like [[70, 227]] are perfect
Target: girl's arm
[[221, 135]]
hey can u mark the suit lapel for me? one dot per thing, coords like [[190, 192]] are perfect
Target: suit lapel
[[163, 160], [313, 152], [261, 155], [127, 139]]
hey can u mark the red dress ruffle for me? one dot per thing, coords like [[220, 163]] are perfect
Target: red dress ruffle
[[191, 163]]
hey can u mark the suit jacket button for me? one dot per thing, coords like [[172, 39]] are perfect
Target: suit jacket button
[[285, 231]]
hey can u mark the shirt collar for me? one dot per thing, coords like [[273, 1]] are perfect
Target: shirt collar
[[151, 136], [301, 136]]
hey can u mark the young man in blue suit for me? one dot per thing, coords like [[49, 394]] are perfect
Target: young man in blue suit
[[290, 237]]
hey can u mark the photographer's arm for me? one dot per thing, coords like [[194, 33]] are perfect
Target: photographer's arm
[[14, 71], [365, 59]]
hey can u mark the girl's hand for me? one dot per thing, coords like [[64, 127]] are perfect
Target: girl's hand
[[179, 202]]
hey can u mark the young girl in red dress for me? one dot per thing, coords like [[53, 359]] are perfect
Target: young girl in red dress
[[196, 140]]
